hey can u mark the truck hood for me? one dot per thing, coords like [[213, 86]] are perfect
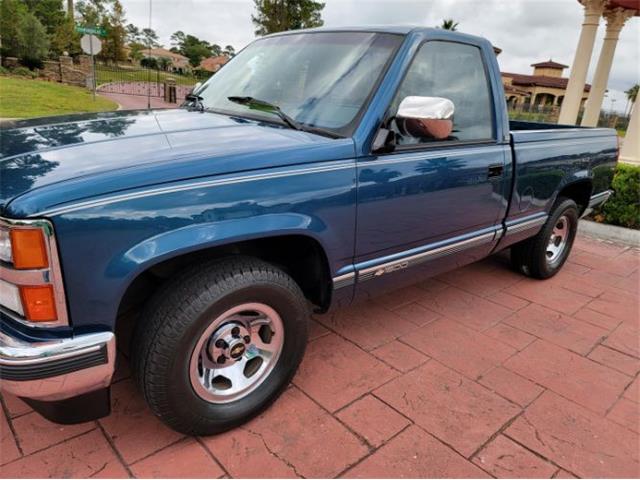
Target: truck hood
[[51, 161]]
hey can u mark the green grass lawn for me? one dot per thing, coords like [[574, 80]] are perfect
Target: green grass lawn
[[26, 98], [108, 74]]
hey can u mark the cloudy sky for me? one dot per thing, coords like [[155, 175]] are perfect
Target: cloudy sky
[[528, 31]]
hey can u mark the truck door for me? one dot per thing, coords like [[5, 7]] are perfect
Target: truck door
[[432, 203]]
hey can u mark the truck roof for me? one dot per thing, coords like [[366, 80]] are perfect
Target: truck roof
[[394, 29]]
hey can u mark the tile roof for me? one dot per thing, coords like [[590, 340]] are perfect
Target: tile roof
[[540, 80], [163, 52], [549, 64], [213, 64]]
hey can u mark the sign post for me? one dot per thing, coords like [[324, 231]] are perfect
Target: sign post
[[91, 44]]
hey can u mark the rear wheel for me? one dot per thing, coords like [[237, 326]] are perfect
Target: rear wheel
[[219, 344], [543, 255]]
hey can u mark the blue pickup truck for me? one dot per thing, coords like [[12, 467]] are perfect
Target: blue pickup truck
[[316, 168]]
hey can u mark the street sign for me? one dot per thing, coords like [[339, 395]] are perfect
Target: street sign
[[101, 32], [91, 44]]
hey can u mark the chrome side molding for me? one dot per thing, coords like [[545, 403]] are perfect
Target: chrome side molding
[[599, 198], [429, 254], [413, 257], [526, 224]]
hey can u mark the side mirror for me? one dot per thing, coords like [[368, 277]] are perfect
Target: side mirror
[[430, 117]]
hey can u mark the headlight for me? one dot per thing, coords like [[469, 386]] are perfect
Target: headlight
[[5, 246], [10, 297]]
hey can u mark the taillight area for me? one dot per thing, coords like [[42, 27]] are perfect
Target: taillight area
[[31, 287]]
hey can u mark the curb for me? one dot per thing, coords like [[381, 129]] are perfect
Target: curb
[[612, 233]]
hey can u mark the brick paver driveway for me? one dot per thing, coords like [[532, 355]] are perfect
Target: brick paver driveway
[[479, 372]]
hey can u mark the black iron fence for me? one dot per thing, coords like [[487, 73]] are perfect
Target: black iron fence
[[127, 80]]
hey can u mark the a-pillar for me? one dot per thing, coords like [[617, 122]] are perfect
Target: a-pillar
[[571, 105], [630, 152], [615, 18]]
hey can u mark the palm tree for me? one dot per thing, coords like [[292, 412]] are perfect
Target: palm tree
[[449, 24], [632, 94]]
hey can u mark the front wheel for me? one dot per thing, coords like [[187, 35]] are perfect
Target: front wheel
[[543, 255], [219, 344]]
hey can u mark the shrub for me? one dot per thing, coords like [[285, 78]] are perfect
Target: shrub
[[4, 71], [623, 208], [23, 72]]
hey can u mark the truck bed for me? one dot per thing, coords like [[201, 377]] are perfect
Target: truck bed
[[547, 157]]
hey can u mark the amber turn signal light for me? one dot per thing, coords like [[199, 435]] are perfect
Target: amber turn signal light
[[28, 248], [39, 303]]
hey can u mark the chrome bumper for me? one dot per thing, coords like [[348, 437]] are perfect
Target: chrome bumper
[[57, 369]]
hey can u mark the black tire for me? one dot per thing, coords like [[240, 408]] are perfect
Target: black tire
[[530, 256], [177, 317]]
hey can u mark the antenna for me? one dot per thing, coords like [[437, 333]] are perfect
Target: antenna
[[149, 56]]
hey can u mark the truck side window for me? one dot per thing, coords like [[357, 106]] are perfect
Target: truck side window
[[454, 71]]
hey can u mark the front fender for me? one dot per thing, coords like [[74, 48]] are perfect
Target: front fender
[[192, 238]]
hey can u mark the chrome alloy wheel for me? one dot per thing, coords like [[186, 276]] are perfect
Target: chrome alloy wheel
[[558, 240], [236, 353]]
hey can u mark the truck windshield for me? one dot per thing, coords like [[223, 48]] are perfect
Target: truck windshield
[[318, 79]]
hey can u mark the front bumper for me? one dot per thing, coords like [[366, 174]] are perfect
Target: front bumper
[[57, 369]]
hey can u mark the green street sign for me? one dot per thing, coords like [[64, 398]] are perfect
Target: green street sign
[[101, 32]]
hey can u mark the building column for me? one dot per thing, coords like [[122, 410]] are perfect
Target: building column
[[615, 18], [630, 152], [571, 104]]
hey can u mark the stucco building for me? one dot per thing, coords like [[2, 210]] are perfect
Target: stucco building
[[546, 86], [177, 63]]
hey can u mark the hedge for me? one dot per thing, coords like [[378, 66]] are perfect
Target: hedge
[[623, 208]]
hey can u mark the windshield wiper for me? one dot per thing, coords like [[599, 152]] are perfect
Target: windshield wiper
[[255, 104]]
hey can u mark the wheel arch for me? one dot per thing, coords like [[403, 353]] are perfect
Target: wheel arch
[[579, 191], [298, 251]]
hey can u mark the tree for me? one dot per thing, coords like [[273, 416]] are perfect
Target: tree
[[229, 51], [449, 24], [177, 39], [34, 43], [11, 15], [281, 15], [149, 62], [66, 39], [133, 33], [632, 95], [113, 23], [150, 38], [193, 48], [49, 12], [92, 12], [136, 51]]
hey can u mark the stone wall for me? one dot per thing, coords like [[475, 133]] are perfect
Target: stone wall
[[64, 70]]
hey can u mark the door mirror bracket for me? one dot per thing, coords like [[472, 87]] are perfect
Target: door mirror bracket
[[384, 142]]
